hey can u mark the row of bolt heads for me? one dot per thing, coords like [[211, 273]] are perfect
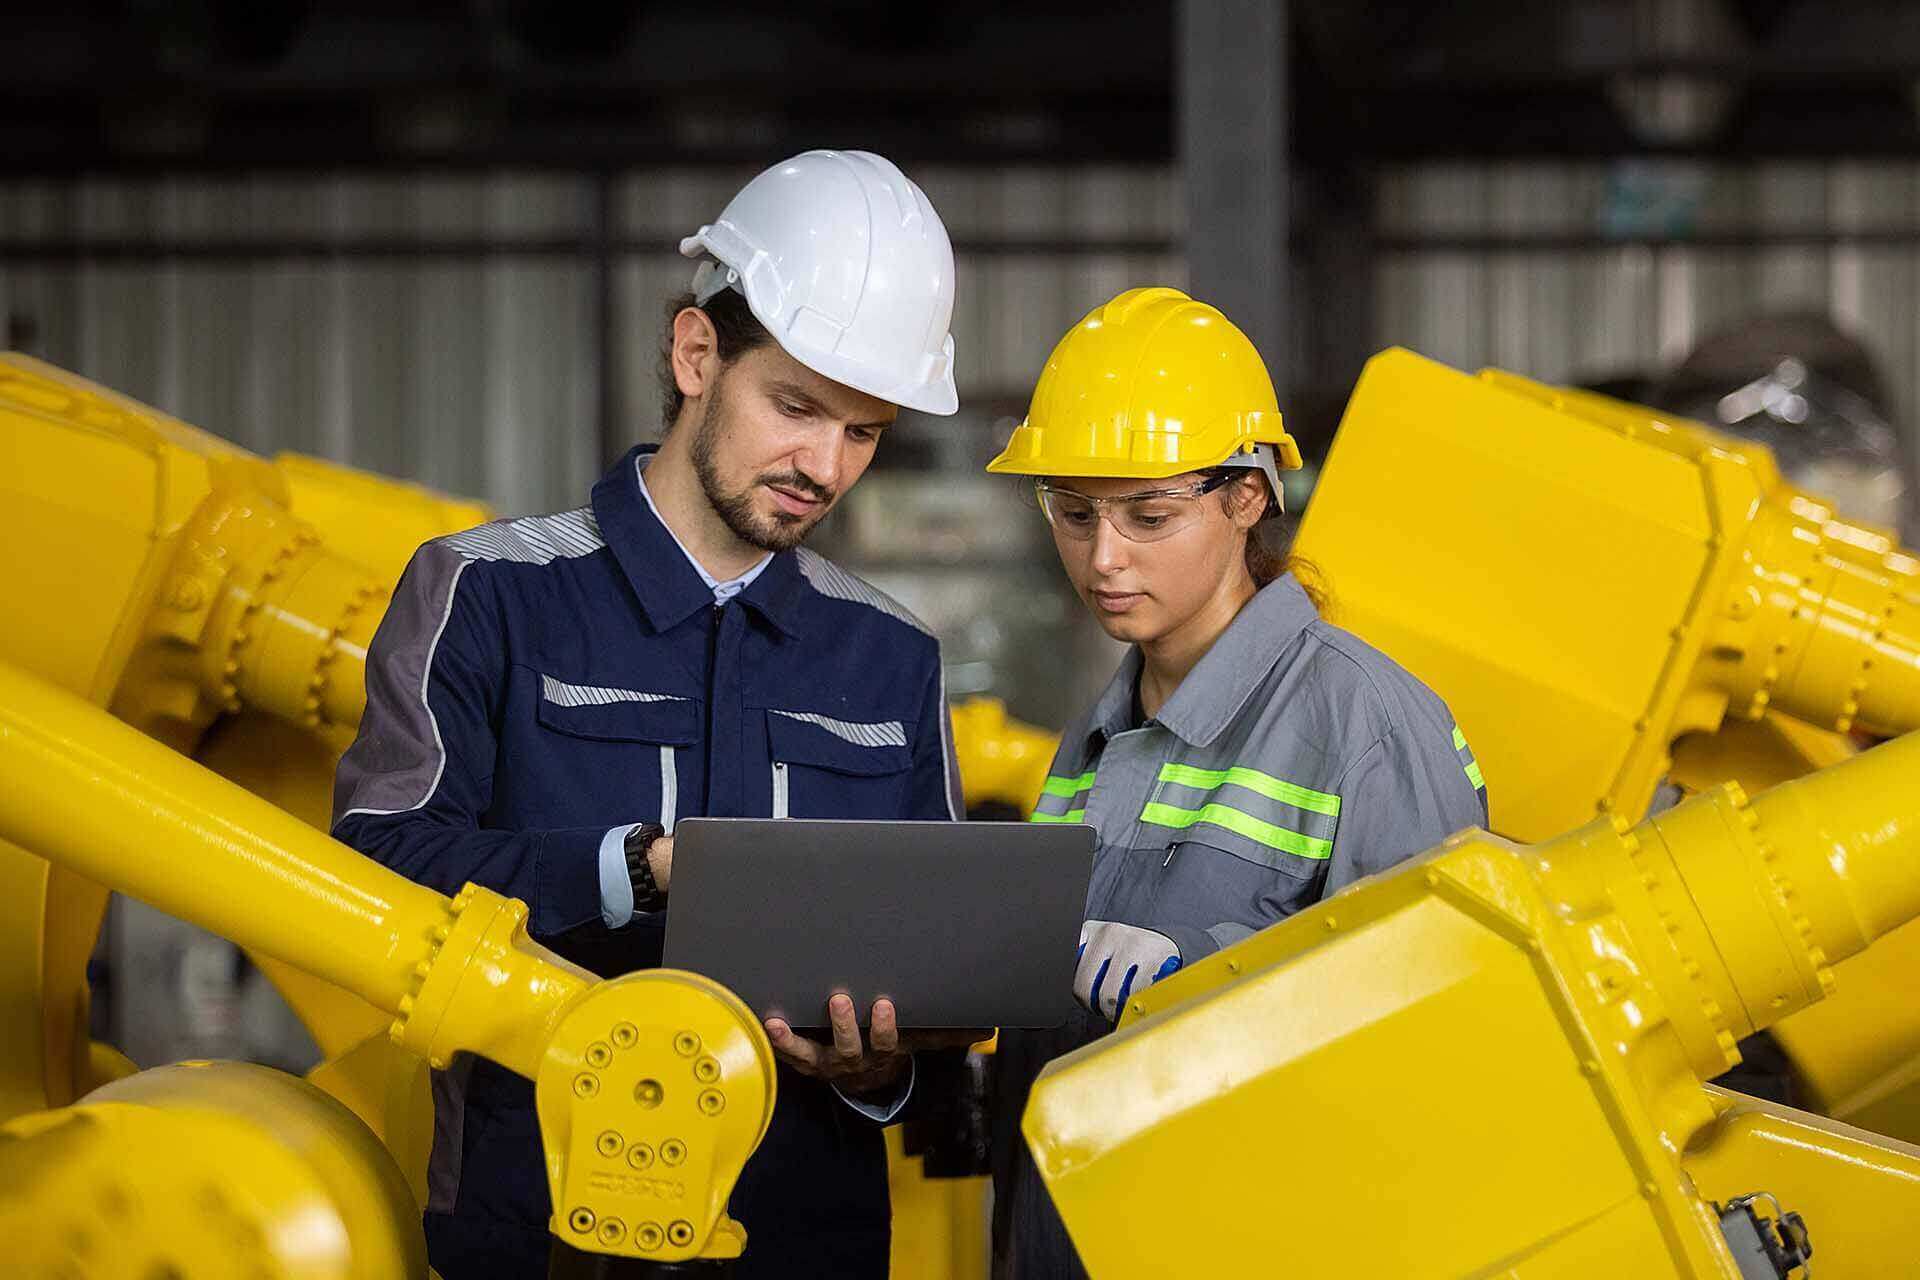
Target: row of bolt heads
[[648, 1236], [650, 1093], [640, 1155]]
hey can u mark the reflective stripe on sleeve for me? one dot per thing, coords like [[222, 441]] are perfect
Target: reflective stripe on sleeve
[[1467, 762], [1063, 799]]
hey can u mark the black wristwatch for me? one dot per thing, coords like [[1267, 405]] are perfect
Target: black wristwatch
[[647, 895]]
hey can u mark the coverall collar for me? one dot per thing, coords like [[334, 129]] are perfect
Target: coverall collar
[[670, 590], [1218, 687]]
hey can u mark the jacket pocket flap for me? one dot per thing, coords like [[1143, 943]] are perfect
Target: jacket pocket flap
[[1260, 849], [666, 721], [864, 748]]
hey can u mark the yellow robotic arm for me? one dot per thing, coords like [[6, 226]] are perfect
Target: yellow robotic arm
[[1571, 571], [1606, 597], [1489, 1062], [652, 1089]]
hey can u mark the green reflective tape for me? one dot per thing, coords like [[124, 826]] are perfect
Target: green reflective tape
[[1220, 815], [1474, 776], [1071, 815], [1069, 787], [1459, 739], [1253, 780]]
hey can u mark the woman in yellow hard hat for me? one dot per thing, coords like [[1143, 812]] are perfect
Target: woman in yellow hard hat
[[1247, 758]]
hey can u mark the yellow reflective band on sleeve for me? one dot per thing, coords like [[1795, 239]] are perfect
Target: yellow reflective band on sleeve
[[1220, 815], [1253, 780], [1071, 815], [1475, 777], [1058, 786], [1459, 739]]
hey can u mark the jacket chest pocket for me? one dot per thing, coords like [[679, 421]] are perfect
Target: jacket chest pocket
[[616, 749], [1246, 846], [823, 767], [1208, 876]]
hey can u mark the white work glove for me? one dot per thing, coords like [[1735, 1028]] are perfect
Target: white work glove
[[1115, 959]]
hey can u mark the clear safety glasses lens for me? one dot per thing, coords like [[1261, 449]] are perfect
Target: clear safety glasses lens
[[1137, 517]]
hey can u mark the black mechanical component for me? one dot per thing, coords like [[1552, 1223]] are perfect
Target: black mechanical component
[[950, 1128], [564, 1262], [1769, 1248]]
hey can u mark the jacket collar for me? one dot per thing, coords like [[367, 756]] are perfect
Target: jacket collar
[[669, 589], [1226, 676]]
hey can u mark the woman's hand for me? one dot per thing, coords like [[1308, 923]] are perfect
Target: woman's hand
[[1116, 960]]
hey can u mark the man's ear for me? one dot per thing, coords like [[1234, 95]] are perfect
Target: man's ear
[[696, 352]]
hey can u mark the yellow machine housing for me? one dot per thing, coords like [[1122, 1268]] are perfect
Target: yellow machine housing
[[1607, 597], [652, 1088], [1578, 578], [1488, 1062], [138, 1181]]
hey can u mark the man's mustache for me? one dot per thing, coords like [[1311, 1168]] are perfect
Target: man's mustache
[[800, 484]]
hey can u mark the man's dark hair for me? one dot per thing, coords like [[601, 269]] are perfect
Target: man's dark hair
[[736, 332]]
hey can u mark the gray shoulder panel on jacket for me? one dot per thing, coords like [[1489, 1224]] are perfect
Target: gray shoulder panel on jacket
[[531, 539], [396, 760], [829, 579]]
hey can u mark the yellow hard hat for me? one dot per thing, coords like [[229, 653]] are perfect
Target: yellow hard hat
[[1149, 385]]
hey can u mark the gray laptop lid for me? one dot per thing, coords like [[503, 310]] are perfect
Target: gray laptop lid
[[960, 924]]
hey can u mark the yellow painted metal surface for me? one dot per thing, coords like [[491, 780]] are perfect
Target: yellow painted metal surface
[[1606, 596], [375, 521], [1756, 753], [205, 1171], [1001, 759], [103, 800], [1563, 570], [390, 1090], [940, 1225], [1487, 1062], [154, 568], [663, 1064], [653, 1093], [1863, 1190]]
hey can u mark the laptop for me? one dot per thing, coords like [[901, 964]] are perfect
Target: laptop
[[960, 924]]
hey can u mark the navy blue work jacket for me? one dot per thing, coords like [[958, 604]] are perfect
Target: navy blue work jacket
[[539, 681]]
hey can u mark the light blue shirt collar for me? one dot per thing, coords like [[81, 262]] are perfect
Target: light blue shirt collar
[[722, 591]]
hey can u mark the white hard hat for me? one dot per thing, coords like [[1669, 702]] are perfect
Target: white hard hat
[[845, 262]]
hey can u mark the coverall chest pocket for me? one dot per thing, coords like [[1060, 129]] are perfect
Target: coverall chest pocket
[[825, 767], [1211, 875], [614, 752]]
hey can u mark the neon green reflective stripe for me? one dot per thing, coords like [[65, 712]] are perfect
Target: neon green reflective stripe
[[1071, 815], [1474, 776], [1459, 739], [1253, 780], [1165, 815], [1069, 787]]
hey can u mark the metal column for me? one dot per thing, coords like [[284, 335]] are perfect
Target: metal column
[[1231, 87]]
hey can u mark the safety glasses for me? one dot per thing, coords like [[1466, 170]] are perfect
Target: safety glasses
[[1147, 516]]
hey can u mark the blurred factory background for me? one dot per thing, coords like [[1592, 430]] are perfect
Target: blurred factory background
[[435, 240]]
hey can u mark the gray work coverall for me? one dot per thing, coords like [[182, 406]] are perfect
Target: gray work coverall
[[1293, 760]]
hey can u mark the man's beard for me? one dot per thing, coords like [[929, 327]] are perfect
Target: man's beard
[[780, 532]]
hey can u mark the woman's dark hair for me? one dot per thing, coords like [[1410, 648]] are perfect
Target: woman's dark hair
[[736, 332], [1270, 554]]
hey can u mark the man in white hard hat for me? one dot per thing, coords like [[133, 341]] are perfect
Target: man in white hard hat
[[547, 695]]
